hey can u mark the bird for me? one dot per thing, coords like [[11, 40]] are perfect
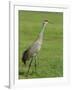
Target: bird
[[32, 51]]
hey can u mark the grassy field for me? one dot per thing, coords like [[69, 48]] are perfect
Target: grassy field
[[50, 57]]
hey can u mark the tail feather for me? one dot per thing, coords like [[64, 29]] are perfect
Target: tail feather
[[25, 57]]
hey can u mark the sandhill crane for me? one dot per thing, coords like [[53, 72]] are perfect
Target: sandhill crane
[[31, 52]]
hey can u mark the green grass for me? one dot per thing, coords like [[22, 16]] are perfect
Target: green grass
[[50, 57]]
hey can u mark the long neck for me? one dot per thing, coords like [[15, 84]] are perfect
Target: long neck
[[42, 32]]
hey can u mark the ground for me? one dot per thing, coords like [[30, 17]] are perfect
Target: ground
[[50, 57]]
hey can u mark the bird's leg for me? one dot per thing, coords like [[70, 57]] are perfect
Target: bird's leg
[[37, 60], [35, 64], [29, 65]]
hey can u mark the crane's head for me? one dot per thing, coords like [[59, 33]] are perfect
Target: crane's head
[[45, 22]]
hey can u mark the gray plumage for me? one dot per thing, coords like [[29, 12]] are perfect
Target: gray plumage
[[33, 50]]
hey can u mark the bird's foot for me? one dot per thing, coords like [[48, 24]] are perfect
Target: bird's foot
[[26, 75]]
